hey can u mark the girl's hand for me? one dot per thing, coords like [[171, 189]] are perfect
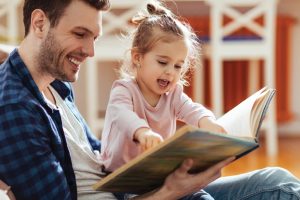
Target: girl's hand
[[147, 138], [209, 124]]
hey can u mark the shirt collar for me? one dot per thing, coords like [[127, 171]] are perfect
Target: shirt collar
[[62, 88]]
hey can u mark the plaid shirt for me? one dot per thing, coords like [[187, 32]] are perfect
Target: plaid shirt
[[34, 156]]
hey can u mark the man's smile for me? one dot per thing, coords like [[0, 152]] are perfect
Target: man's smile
[[75, 60]]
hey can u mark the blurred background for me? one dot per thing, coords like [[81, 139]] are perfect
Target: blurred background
[[246, 45]]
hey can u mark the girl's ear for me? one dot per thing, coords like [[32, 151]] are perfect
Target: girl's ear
[[135, 56]]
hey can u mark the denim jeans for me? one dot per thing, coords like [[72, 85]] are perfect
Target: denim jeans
[[269, 183], [266, 184]]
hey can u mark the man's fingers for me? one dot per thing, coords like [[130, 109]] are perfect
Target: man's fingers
[[216, 169], [212, 173], [226, 161], [185, 166], [221, 164]]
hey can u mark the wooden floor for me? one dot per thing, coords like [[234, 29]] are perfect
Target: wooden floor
[[288, 157]]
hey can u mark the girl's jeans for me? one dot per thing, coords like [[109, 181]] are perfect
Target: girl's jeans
[[269, 183]]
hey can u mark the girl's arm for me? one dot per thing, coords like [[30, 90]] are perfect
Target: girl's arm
[[193, 113], [121, 112], [188, 111]]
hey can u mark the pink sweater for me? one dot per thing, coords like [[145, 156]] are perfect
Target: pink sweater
[[128, 111]]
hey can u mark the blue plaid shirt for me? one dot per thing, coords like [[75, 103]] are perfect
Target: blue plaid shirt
[[34, 156]]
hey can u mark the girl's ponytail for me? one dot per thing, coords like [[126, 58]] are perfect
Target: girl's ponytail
[[156, 9]]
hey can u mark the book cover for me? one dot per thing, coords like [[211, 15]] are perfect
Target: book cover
[[148, 171]]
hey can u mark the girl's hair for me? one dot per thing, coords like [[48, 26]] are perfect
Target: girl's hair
[[160, 24]]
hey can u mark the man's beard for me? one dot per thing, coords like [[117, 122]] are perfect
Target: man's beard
[[50, 58]]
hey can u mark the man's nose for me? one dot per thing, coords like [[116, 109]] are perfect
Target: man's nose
[[89, 48]]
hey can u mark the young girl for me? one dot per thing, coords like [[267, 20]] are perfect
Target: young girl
[[145, 104]]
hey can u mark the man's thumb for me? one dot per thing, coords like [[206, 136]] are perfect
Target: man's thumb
[[186, 165]]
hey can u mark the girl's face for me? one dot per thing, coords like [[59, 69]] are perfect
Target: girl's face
[[160, 68]]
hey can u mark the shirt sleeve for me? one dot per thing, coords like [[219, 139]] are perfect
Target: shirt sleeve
[[188, 111], [27, 162], [122, 114]]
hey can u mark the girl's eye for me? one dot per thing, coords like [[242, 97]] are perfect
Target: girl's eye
[[178, 67], [163, 63]]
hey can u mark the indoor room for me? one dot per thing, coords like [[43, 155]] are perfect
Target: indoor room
[[246, 45]]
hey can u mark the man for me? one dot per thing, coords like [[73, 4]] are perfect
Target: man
[[46, 148]]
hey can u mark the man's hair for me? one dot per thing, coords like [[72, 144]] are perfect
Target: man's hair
[[54, 9]]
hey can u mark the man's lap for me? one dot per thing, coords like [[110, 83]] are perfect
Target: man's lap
[[259, 184]]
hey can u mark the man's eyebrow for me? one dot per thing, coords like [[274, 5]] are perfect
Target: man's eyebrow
[[168, 57], [85, 29]]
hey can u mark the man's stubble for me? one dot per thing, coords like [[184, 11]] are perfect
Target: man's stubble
[[50, 59]]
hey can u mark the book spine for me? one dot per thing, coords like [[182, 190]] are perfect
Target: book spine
[[246, 152]]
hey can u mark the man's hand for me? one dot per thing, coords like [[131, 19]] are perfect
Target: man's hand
[[147, 138], [184, 183], [209, 124], [180, 183]]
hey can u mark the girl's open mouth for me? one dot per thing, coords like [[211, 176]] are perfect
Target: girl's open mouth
[[163, 83]]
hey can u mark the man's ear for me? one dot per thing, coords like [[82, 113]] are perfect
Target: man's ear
[[39, 21], [135, 56]]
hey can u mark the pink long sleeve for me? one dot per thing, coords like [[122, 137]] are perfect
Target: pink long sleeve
[[128, 111], [188, 111]]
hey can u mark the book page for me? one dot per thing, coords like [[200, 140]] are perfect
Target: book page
[[236, 122], [257, 110]]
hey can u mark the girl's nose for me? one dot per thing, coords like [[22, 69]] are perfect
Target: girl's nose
[[169, 71]]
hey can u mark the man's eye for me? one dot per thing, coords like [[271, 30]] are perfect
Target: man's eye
[[79, 34]]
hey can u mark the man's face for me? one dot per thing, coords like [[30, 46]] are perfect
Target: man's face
[[68, 44]]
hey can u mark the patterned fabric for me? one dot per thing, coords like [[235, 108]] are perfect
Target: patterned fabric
[[34, 156]]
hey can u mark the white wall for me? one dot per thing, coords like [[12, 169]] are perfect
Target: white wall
[[106, 78]]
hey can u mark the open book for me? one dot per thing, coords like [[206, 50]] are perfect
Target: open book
[[148, 171]]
